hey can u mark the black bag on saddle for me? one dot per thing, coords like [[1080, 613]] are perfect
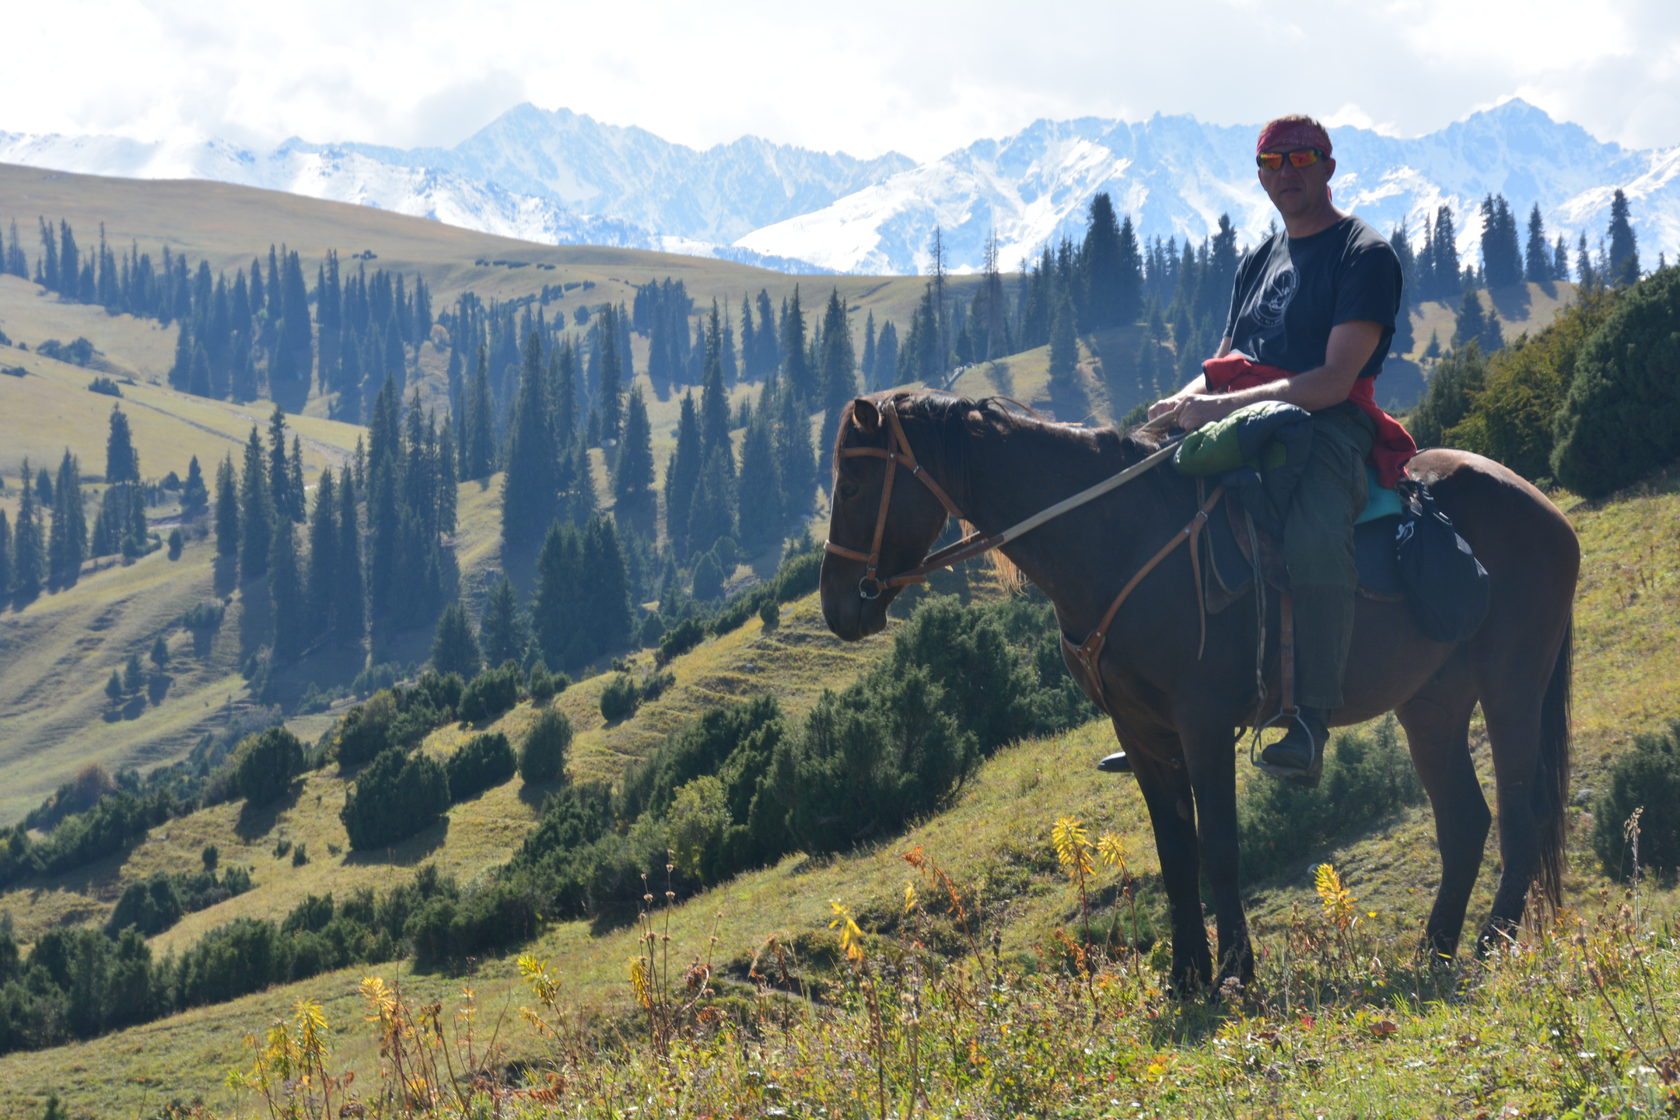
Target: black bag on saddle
[[1446, 585]]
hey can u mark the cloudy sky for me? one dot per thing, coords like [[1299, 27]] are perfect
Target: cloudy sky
[[864, 77]]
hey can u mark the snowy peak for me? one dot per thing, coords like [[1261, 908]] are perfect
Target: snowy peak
[[562, 177]]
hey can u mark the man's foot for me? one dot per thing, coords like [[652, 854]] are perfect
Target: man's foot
[[1116, 763], [1299, 756]]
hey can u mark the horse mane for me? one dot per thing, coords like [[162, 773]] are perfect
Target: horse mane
[[954, 418]]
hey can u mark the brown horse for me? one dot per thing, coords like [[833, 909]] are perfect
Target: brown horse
[[1173, 696]]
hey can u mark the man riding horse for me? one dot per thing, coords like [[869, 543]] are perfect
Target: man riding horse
[[1312, 313]]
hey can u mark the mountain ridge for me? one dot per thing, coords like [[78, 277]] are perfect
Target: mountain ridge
[[561, 177]]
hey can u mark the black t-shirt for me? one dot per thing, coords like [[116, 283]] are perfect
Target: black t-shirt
[[1291, 290]]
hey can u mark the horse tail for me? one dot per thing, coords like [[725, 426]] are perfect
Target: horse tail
[[1551, 790]]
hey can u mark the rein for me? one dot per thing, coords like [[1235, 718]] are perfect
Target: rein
[[1088, 653], [898, 453]]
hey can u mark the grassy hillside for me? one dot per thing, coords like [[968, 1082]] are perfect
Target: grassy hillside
[[994, 841], [56, 654]]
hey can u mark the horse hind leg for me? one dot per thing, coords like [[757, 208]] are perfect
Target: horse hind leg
[[1437, 725]]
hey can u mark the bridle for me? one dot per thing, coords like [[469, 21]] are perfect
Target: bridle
[[898, 453]]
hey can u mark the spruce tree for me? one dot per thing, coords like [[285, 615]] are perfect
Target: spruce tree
[[501, 634], [556, 610], [1064, 347], [256, 512], [454, 648], [1537, 258], [67, 545], [796, 371], [349, 612], [195, 498], [323, 559], [227, 510], [122, 462], [1624, 246], [286, 593], [604, 590], [28, 549], [712, 516], [837, 371], [682, 476], [761, 498], [531, 486], [5, 558]]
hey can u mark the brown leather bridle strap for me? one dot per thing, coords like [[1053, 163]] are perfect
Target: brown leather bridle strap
[[1089, 652], [898, 452]]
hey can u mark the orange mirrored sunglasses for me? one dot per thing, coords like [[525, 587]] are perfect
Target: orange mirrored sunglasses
[[1300, 157]]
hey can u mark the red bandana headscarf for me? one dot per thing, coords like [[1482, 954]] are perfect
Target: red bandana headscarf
[[1285, 136]]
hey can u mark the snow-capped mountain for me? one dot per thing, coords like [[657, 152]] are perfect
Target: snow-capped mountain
[[1176, 176], [561, 177]]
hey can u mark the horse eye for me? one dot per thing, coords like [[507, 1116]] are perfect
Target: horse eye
[[848, 490]]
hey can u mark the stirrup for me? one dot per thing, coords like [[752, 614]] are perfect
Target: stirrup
[[1307, 776]]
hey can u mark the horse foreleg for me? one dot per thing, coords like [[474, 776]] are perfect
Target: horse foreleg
[[1437, 724], [1166, 791], [1209, 756]]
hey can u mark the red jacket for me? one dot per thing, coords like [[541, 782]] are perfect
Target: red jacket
[[1394, 444]]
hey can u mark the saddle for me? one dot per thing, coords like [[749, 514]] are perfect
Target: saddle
[[1237, 544]]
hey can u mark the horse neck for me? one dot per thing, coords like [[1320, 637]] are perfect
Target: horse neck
[[1079, 558]]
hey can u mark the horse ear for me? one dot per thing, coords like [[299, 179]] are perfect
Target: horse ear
[[866, 418]]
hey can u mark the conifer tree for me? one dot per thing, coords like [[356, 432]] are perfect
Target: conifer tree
[[1624, 246], [349, 613], [67, 544], [5, 557], [633, 469], [1064, 346], [796, 371], [454, 648], [294, 481], [227, 510], [447, 495], [122, 462], [605, 590], [1560, 259], [1537, 258], [477, 454], [682, 475], [761, 497], [837, 371], [28, 548], [794, 457], [531, 486], [195, 499], [714, 411], [556, 612], [323, 559], [610, 396], [285, 591], [712, 517], [501, 633], [256, 511]]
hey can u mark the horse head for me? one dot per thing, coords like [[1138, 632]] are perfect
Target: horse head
[[887, 512]]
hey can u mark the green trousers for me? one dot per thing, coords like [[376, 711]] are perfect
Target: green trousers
[[1318, 550]]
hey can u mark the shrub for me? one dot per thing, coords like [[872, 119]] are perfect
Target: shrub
[[1620, 419], [619, 698], [490, 694], [679, 639], [1645, 778], [484, 761], [542, 757], [544, 685], [265, 765], [1366, 778], [394, 798]]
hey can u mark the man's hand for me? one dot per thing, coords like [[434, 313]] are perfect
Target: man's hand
[[1201, 408]]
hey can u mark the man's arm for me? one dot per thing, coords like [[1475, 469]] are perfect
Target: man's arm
[[1350, 346]]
